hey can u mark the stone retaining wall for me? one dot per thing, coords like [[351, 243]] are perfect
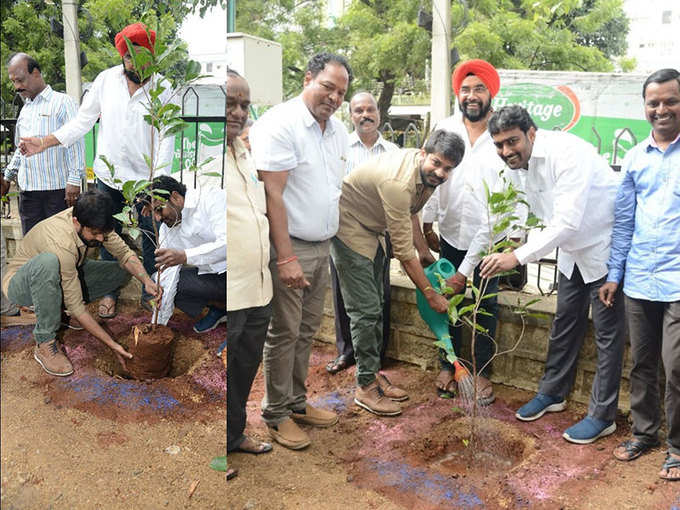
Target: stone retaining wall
[[412, 341]]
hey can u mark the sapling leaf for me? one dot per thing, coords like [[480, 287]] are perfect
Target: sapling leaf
[[217, 174], [134, 233]]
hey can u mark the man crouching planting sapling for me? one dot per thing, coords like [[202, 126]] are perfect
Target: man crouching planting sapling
[[51, 267]]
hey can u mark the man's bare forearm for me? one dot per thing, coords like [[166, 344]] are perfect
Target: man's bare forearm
[[278, 226], [135, 267]]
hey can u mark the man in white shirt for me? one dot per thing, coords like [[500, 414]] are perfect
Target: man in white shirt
[[571, 188], [458, 207], [118, 98], [193, 235], [300, 152], [365, 142]]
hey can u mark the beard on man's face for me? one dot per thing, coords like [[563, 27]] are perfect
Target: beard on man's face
[[90, 243], [474, 115], [133, 76]]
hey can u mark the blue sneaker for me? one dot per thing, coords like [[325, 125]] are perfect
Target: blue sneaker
[[539, 405], [214, 318], [588, 430]]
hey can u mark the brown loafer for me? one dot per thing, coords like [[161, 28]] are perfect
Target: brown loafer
[[288, 434], [315, 417]]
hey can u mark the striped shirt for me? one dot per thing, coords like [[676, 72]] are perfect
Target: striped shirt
[[57, 166], [359, 153]]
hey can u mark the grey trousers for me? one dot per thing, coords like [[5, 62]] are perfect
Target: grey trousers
[[654, 333], [38, 283], [246, 331], [574, 297], [296, 317], [361, 282]]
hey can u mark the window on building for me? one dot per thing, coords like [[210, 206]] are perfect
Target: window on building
[[666, 17]]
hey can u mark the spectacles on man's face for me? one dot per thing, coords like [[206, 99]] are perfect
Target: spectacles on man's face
[[477, 89]]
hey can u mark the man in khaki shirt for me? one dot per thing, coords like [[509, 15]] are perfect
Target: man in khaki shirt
[[51, 266], [385, 194]]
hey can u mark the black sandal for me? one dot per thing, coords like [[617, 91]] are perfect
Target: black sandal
[[340, 363], [634, 448], [670, 463]]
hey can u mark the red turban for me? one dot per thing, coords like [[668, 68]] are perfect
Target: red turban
[[482, 70], [137, 35]]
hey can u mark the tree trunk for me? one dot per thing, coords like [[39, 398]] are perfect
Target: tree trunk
[[386, 94]]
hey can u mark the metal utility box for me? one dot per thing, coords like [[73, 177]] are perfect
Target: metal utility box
[[260, 62]]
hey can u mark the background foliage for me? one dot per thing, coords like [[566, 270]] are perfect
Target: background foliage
[[389, 52]]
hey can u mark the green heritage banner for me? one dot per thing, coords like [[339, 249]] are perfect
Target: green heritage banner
[[610, 118]]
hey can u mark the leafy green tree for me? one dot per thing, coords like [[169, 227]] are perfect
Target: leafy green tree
[[388, 51], [386, 46], [564, 35]]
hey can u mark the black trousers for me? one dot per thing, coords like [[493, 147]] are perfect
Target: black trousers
[[246, 332], [195, 291], [343, 335], [35, 206], [484, 347]]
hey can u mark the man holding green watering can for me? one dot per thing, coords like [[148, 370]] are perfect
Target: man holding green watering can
[[384, 195]]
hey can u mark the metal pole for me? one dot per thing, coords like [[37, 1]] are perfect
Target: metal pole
[[440, 91], [231, 16], [72, 49]]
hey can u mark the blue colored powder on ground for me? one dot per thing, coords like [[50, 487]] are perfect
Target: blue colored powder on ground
[[16, 336], [427, 486], [330, 401], [124, 394]]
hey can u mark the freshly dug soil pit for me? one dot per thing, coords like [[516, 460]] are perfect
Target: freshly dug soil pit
[[496, 446], [186, 355], [151, 350]]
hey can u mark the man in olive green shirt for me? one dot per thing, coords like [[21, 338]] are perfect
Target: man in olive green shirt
[[51, 267], [385, 194]]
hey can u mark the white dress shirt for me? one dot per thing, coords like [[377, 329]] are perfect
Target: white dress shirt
[[288, 138], [359, 153], [459, 205], [123, 137], [571, 188], [202, 233]]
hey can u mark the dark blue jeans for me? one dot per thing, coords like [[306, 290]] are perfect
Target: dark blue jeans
[[148, 246], [484, 347]]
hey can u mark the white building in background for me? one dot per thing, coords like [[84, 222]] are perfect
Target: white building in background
[[207, 40], [654, 36]]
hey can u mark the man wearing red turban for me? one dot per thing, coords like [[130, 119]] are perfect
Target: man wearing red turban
[[118, 98], [458, 208]]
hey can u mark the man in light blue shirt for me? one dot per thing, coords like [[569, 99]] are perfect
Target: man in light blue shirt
[[645, 254], [50, 182]]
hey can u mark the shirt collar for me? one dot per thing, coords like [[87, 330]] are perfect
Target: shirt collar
[[309, 120], [44, 95], [191, 199], [650, 142], [354, 140], [540, 149]]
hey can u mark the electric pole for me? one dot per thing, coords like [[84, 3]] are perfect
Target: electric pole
[[72, 49], [440, 91]]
